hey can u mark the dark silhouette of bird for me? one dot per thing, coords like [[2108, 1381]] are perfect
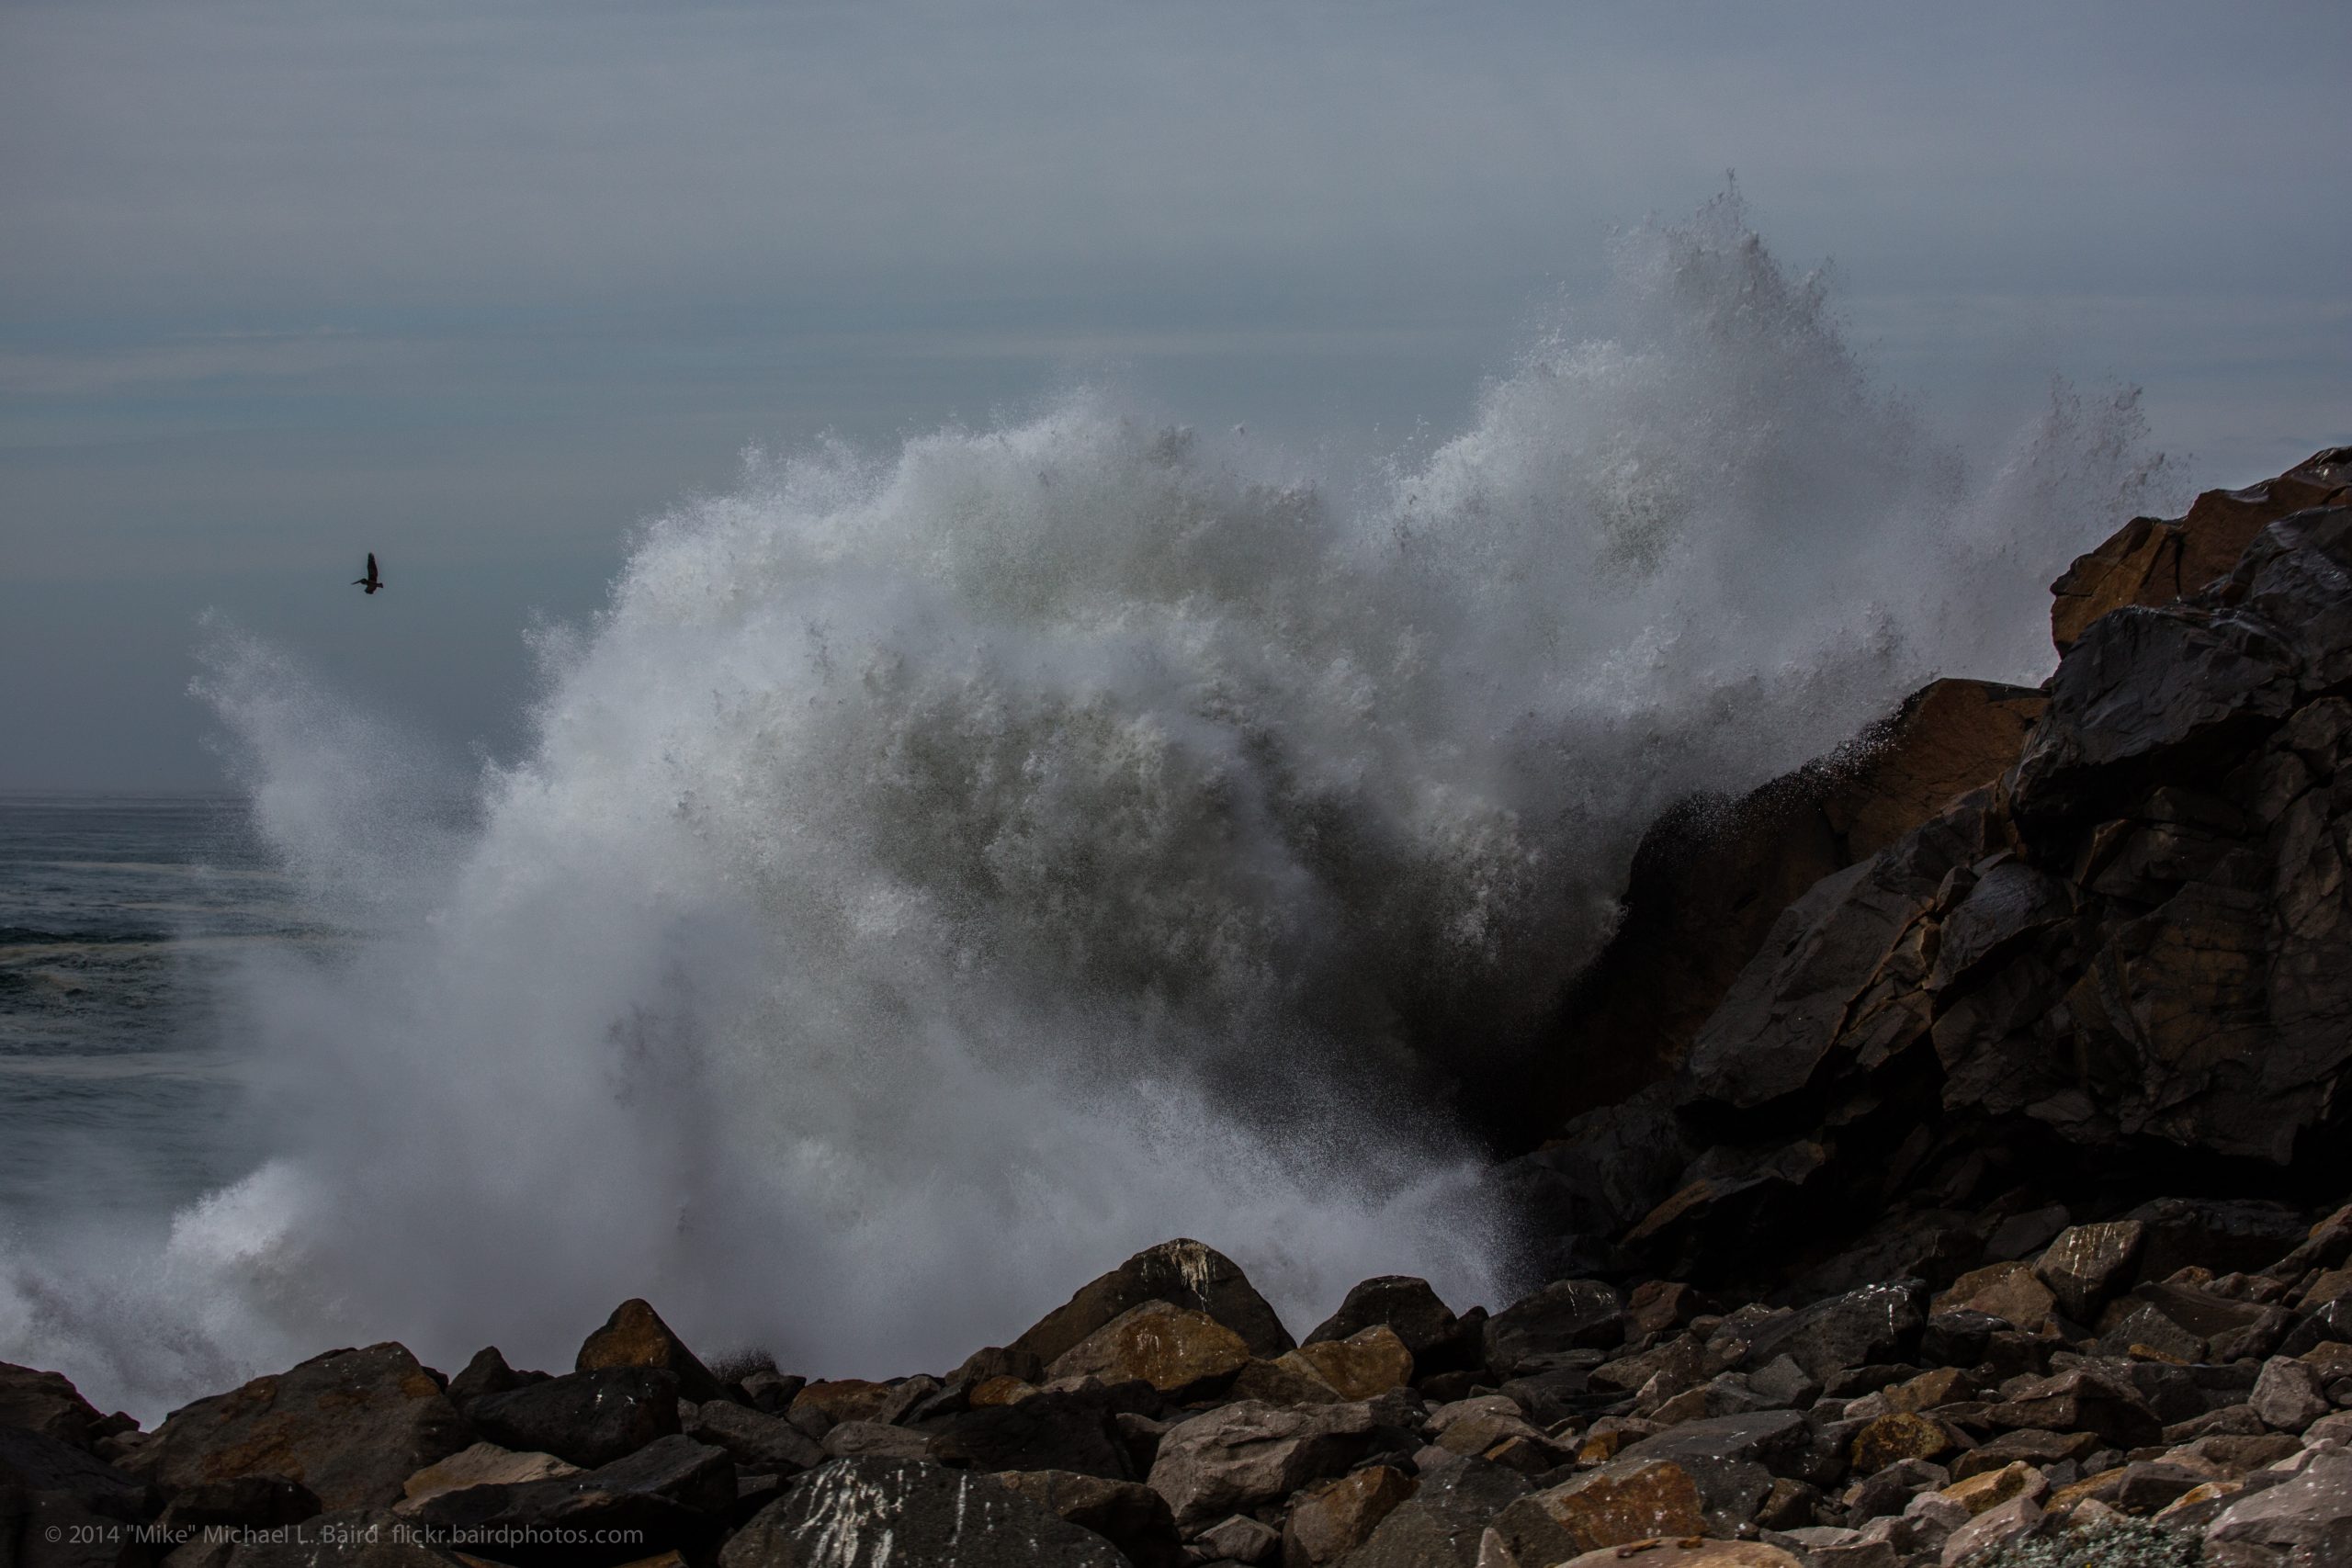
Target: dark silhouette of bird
[[372, 581]]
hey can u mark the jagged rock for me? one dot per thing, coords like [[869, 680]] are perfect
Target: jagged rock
[[1057, 1429], [1239, 1456], [2079, 1401], [2088, 1264], [350, 1425], [635, 1335], [2219, 1234], [1327, 1522], [760, 1444], [873, 1513], [845, 1399], [2153, 561], [1900, 1436], [1710, 877], [673, 1491], [2310, 1514], [2030, 1446], [1876, 1323], [1182, 1353], [484, 1464], [1182, 1273], [1684, 1552], [2289, 1396], [1130, 1516], [1287, 1382], [1238, 1539], [1367, 1363], [47, 1402], [2003, 1522], [1568, 1315], [1409, 1307], [2009, 1292], [583, 1419], [488, 1373], [1626, 1500], [1449, 1519]]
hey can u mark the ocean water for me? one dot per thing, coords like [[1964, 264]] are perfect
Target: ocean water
[[939, 871], [119, 915]]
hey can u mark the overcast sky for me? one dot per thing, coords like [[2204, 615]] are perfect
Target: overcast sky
[[481, 286]]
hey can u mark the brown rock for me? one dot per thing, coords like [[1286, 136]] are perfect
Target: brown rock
[[635, 1335], [2080, 1402], [1626, 1500], [47, 1402], [845, 1399], [2006, 1290], [1898, 1436], [1182, 1353], [1238, 1457], [1284, 1381], [1657, 1305], [1945, 1385], [2035, 1448], [997, 1391], [484, 1464], [1327, 1522], [1684, 1551], [2154, 560], [1991, 1488], [1361, 1365], [1709, 878], [2086, 1265], [352, 1425], [1182, 1273]]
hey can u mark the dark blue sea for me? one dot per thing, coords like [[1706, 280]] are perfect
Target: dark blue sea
[[121, 917]]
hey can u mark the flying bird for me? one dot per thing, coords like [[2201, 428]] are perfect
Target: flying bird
[[372, 581]]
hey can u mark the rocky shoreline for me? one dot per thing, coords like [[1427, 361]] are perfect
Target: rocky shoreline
[[1966, 1184]]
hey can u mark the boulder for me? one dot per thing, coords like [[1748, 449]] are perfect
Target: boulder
[[1183, 1274], [1241, 1456], [1902, 1436], [1469, 1515], [760, 1444], [2309, 1514], [1130, 1516], [2079, 1401], [845, 1399], [1183, 1353], [672, 1492], [1058, 1429], [1327, 1522], [2154, 561], [1367, 1363], [2289, 1396], [1410, 1308], [484, 1464], [2086, 1265], [635, 1335], [488, 1373], [1684, 1552], [1568, 1315], [2009, 1292], [1996, 1525], [1237, 1539], [879, 1513], [47, 1402], [583, 1419], [1289, 1381], [1876, 1323], [352, 1425], [1626, 1500]]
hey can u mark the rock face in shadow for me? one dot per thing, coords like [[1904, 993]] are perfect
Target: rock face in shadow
[[2131, 952], [2154, 561], [1709, 878]]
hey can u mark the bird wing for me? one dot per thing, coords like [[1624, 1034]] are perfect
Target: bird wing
[[371, 563]]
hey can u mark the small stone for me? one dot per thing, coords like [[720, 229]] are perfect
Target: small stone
[[2289, 1395]]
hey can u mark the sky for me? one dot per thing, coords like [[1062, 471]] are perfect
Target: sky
[[483, 287]]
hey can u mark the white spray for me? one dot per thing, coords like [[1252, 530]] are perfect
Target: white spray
[[938, 876]]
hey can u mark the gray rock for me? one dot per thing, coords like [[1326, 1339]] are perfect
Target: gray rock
[[672, 1494], [1409, 1307], [1445, 1521], [1182, 1273], [1568, 1315], [2310, 1514], [1239, 1538], [761, 1444], [1242, 1455], [2289, 1396], [584, 1418], [868, 1513], [1877, 1322], [2088, 1264]]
